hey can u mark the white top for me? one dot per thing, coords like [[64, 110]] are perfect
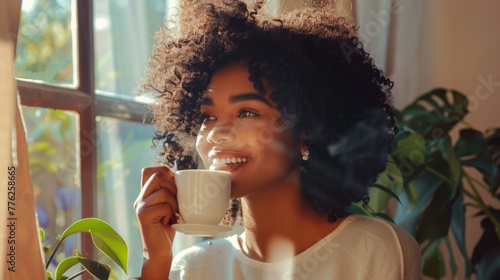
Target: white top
[[359, 248]]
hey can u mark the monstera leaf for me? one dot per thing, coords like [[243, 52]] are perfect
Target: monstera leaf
[[472, 150], [485, 256], [493, 144], [435, 113]]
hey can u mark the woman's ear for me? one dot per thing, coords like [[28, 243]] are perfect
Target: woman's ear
[[305, 155], [304, 150]]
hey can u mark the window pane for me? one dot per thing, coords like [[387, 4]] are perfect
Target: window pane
[[46, 42], [124, 148], [124, 32], [55, 174]]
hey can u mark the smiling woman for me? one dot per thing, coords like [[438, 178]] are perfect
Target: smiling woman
[[296, 110]]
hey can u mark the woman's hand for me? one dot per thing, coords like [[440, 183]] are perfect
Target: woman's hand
[[155, 208]]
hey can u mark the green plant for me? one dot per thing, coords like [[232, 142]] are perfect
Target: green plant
[[105, 238], [431, 177]]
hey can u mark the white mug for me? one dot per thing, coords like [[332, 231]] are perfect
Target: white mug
[[203, 195]]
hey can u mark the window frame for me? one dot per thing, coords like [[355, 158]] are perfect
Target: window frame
[[88, 105]]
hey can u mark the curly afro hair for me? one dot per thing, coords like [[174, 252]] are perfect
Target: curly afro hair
[[325, 84]]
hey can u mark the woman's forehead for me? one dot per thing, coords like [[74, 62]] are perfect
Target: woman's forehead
[[235, 74], [232, 82]]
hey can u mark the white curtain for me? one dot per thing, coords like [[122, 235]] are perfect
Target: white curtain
[[426, 44], [20, 250], [396, 33]]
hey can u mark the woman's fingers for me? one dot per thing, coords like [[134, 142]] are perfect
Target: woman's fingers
[[155, 178], [147, 172], [155, 207], [156, 201], [160, 196], [156, 213]]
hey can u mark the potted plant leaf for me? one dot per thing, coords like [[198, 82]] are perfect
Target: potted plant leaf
[[106, 240]]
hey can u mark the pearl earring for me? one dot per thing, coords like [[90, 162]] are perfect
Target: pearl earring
[[305, 157]]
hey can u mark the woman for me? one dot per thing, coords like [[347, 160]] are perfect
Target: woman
[[296, 110]]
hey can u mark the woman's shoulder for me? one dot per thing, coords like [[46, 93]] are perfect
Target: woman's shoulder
[[385, 239], [378, 228]]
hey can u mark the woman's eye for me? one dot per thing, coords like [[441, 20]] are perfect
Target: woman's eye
[[206, 118], [247, 114]]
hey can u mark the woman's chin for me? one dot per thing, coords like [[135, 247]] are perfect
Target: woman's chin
[[235, 193]]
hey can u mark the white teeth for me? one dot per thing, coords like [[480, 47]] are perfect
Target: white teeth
[[224, 161]]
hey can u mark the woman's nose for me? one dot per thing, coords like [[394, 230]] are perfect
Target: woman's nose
[[221, 132]]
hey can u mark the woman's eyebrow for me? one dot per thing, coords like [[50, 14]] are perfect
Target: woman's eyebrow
[[237, 98], [248, 96]]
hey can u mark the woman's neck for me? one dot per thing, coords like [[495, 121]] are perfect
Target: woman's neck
[[277, 220]]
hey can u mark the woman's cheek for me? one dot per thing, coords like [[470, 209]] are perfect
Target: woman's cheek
[[255, 134], [202, 147]]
